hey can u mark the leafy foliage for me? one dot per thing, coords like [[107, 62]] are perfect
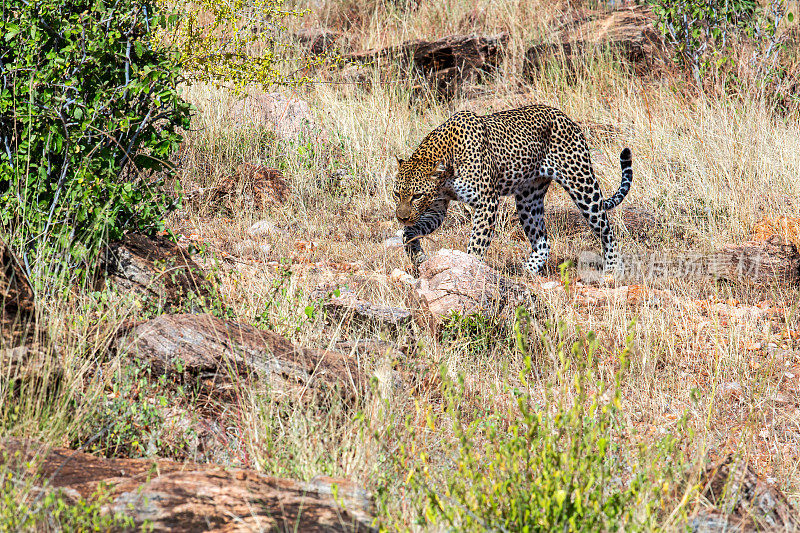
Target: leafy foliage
[[89, 116], [475, 334], [232, 42], [708, 33], [556, 459]]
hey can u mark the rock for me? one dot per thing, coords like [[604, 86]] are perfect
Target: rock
[[401, 276], [250, 248], [348, 308], [290, 117], [454, 281], [746, 500], [757, 262], [731, 390], [713, 522], [204, 344], [28, 371], [630, 32], [320, 41], [158, 270], [173, 496], [446, 63], [266, 227], [375, 347], [250, 186], [30, 366], [393, 243]]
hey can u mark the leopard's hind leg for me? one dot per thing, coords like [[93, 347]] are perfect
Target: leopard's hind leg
[[574, 173], [530, 208]]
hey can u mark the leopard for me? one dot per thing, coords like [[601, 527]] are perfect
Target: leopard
[[477, 159]]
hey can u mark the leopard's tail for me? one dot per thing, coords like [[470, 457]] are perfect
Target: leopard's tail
[[627, 178]]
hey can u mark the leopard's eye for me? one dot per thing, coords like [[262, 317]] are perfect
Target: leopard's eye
[[416, 197]]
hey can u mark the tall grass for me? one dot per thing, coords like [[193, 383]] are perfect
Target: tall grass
[[708, 167]]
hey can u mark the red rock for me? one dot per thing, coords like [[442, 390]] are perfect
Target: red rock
[[454, 281], [173, 496]]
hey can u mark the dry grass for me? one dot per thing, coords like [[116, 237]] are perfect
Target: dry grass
[[706, 168]]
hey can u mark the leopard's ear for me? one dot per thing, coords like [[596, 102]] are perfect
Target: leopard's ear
[[399, 161]]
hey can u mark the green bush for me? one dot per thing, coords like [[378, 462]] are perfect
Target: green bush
[[559, 459], [707, 35], [89, 117]]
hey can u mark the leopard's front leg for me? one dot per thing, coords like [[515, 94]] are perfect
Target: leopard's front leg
[[483, 221], [427, 223]]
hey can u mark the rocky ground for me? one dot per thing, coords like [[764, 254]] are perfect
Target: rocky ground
[[253, 367]]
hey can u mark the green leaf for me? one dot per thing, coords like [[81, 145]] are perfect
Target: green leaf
[[13, 30]]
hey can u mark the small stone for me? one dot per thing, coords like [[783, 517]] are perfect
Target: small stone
[[549, 285], [266, 227], [782, 398], [393, 243], [731, 390], [401, 276]]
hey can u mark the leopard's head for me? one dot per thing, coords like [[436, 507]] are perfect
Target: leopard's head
[[415, 188]]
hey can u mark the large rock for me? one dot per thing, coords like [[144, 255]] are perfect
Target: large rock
[[629, 32], [453, 281], [758, 262], [159, 271], [205, 345], [447, 62], [173, 496], [289, 117]]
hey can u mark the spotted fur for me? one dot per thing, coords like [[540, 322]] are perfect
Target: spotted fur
[[476, 159]]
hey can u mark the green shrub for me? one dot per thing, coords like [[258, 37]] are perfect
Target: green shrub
[[558, 459], [707, 34], [475, 334], [89, 117], [132, 420]]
